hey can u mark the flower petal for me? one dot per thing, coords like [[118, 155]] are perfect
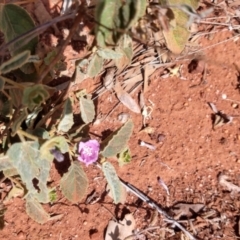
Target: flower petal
[[88, 151]]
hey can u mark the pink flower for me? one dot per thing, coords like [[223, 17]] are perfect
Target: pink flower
[[88, 151]]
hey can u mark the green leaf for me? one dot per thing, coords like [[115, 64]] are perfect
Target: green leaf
[[14, 21], [126, 48], [177, 36], [81, 70], [10, 172], [35, 210], [87, 109], [16, 95], [26, 158], [108, 53], [95, 66], [5, 163], [106, 14], [117, 141], [58, 142], [124, 157], [67, 119], [131, 11], [35, 95], [115, 185], [15, 62], [74, 183], [114, 15]]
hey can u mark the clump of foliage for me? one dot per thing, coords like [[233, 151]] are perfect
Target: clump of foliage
[[29, 142]]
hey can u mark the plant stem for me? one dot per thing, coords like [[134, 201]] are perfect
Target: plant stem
[[77, 20], [27, 135], [11, 82]]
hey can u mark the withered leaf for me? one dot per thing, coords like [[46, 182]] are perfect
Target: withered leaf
[[187, 209], [126, 99], [120, 230]]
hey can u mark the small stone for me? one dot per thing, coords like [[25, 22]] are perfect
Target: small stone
[[85, 223], [123, 117], [150, 188], [234, 105], [161, 138], [224, 96]]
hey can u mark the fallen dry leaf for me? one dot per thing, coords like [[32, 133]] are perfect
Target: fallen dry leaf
[[108, 80], [186, 209], [223, 181], [219, 118], [126, 99], [122, 229]]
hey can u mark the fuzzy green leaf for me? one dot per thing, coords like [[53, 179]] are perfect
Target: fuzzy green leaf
[[114, 183], [74, 183], [81, 70], [177, 36], [87, 109], [109, 54], [16, 95], [117, 141], [14, 21], [125, 47], [131, 11], [5, 163], [95, 66], [35, 95], [67, 119], [15, 62], [26, 158], [106, 13], [116, 14], [35, 210], [10, 172], [58, 142]]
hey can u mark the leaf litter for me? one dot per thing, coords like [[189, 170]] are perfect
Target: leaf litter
[[122, 229]]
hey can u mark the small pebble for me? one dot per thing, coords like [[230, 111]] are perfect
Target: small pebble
[[161, 137], [224, 96], [234, 105], [123, 117]]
